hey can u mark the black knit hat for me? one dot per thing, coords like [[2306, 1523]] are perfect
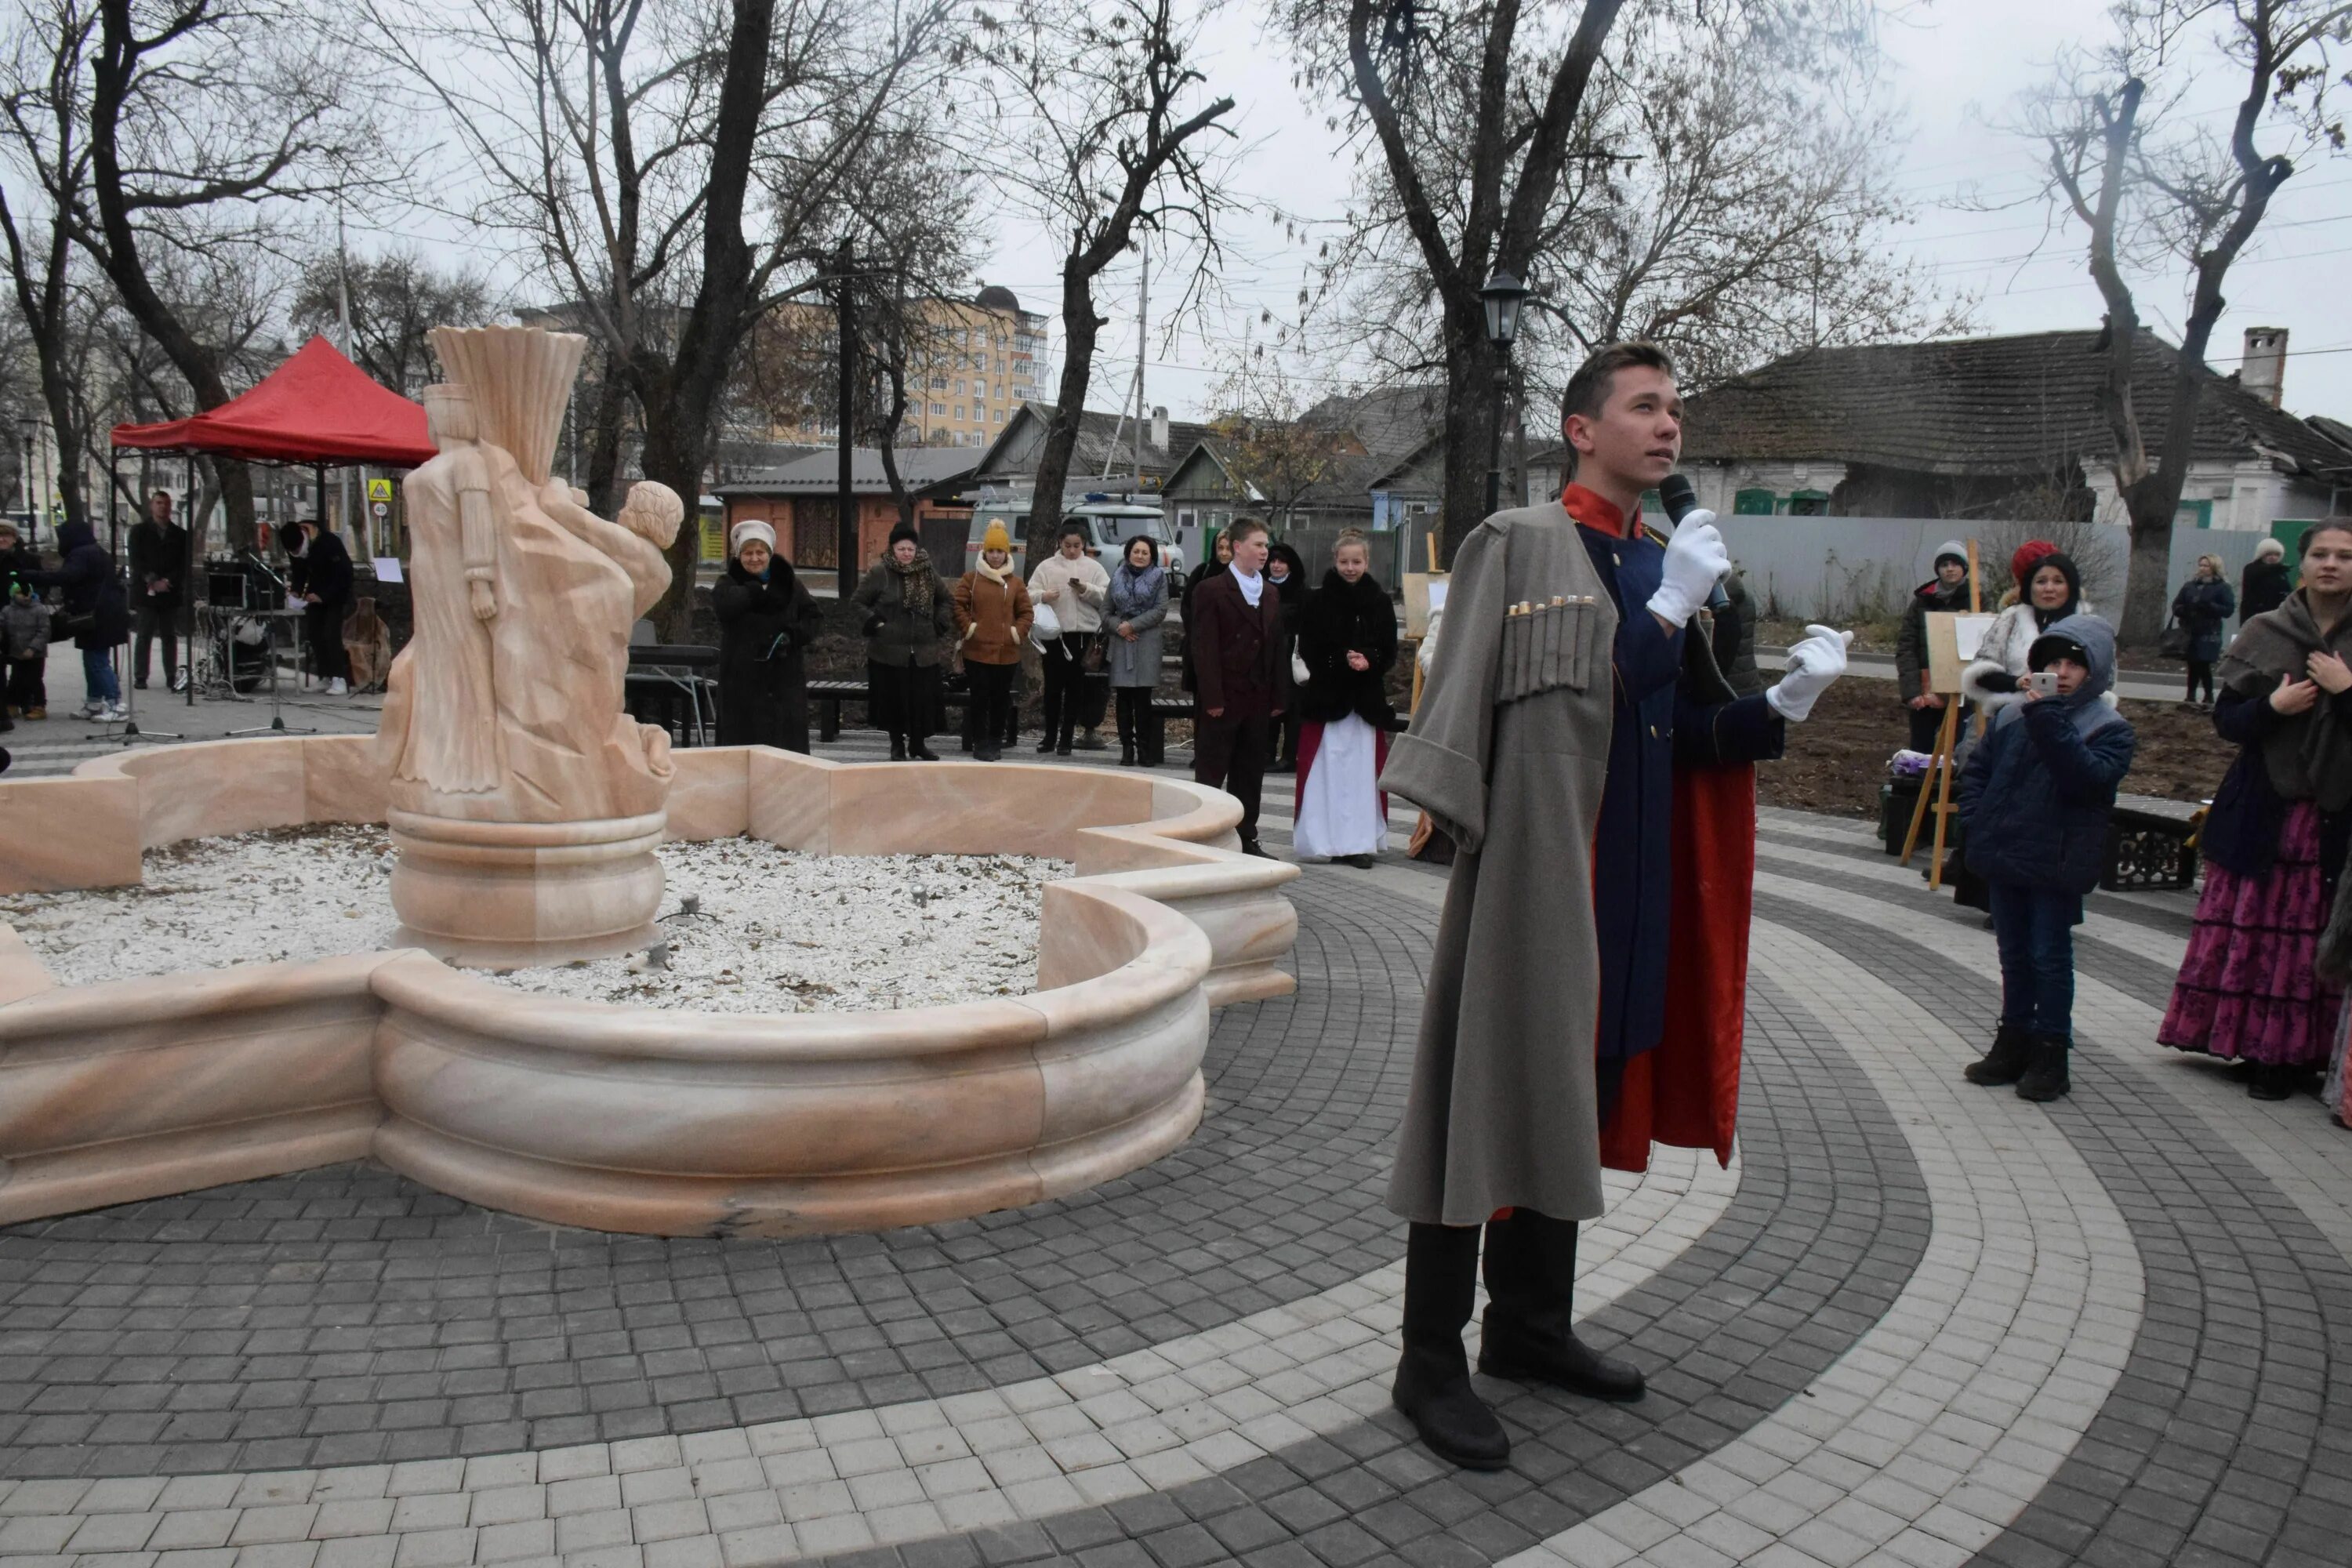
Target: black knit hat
[[905, 531], [2051, 647]]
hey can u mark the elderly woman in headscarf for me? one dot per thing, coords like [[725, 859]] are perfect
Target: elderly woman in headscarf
[[909, 614], [767, 620], [2274, 839]]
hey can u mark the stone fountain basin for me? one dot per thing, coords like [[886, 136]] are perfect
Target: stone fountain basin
[[630, 1119]]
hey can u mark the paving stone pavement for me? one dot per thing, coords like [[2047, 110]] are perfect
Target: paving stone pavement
[[1914, 1322]]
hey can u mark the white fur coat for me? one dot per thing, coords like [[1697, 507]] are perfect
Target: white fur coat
[[2004, 650]]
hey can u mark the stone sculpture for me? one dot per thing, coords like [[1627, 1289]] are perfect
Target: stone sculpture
[[525, 803]]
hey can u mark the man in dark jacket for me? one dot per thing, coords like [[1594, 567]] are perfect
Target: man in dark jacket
[[1241, 676], [94, 609], [158, 548], [323, 577], [1948, 593]]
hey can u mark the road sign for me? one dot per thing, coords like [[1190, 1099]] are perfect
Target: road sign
[[379, 490], [382, 509]]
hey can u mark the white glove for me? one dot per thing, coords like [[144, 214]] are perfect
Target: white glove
[[1814, 664], [1696, 562]]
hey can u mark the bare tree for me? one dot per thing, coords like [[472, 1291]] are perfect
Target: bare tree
[[1269, 444], [42, 97], [2144, 189], [394, 301], [1490, 130], [1103, 144], [637, 149], [203, 118]]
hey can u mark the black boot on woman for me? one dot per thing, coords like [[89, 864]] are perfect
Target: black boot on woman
[[2273, 1081], [1126, 731], [2004, 1062], [1433, 1380], [897, 747]]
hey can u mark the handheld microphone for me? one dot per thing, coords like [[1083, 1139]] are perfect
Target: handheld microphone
[[1681, 501]]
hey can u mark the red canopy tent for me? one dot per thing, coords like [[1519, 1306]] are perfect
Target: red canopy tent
[[317, 409]]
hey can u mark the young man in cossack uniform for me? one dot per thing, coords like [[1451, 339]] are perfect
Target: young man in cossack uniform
[[1595, 771]]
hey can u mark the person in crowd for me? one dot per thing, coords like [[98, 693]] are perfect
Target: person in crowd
[[1578, 744], [1137, 605], [1286, 573], [2263, 585], [24, 629], [158, 549], [908, 612], [2052, 591], [18, 560], [2275, 835], [2035, 799], [2202, 606], [2021, 563], [992, 620], [767, 621], [1074, 583], [1221, 556], [1242, 681], [95, 612], [1947, 592], [322, 578], [1348, 642], [25, 634]]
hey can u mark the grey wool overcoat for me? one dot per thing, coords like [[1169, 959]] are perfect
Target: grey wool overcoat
[[1509, 753]]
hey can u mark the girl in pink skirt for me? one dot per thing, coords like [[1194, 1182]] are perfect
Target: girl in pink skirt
[[2275, 840]]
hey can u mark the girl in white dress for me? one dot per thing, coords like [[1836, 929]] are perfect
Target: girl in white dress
[[1347, 642]]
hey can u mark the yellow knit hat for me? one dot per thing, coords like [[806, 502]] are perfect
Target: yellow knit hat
[[996, 538]]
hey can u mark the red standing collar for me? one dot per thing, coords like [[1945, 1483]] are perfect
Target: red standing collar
[[1600, 515]]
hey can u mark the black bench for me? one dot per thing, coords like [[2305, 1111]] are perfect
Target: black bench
[[828, 696], [2151, 845]]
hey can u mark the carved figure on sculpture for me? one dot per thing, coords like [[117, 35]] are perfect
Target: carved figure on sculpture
[[507, 706]]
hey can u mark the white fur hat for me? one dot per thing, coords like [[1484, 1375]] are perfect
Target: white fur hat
[[751, 529], [2270, 550]]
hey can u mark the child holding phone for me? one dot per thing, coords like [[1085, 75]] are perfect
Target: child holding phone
[[2035, 801]]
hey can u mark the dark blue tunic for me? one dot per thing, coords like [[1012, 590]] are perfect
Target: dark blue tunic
[[1658, 725]]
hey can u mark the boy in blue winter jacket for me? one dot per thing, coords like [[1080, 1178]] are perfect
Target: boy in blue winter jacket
[[2034, 803]]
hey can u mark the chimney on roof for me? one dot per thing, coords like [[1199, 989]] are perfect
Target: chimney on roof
[[2263, 370], [1160, 427]]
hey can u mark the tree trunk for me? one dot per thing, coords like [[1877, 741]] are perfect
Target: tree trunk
[[681, 399], [2147, 594], [1469, 428], [1080, 328], [603, 478]]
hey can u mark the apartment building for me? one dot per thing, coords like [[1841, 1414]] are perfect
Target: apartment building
[[986, 356]]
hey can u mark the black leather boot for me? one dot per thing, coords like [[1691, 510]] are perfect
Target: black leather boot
[[1433, 1380], [2004, 1062], [2045, 1073], [897, 747], [1126, 732], [1530, 1327], [2271, 1080], [918, 747]]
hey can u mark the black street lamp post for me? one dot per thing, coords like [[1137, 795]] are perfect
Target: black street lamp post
[[1502, 296]]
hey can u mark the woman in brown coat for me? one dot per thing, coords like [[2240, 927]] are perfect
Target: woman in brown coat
[[993, 619]]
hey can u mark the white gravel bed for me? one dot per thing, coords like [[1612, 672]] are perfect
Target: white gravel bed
[[751, 928]]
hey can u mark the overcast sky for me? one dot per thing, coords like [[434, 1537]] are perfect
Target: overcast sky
[[1955, 66]]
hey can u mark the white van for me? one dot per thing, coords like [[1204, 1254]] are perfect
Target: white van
[[1110, 520]]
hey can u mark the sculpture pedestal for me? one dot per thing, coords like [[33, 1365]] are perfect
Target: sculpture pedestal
[[514, 895]]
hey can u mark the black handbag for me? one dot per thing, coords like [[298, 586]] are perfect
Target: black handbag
[[2172, 642], [64, 626]]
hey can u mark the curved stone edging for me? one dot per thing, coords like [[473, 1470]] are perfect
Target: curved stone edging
[[669, 1122]]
